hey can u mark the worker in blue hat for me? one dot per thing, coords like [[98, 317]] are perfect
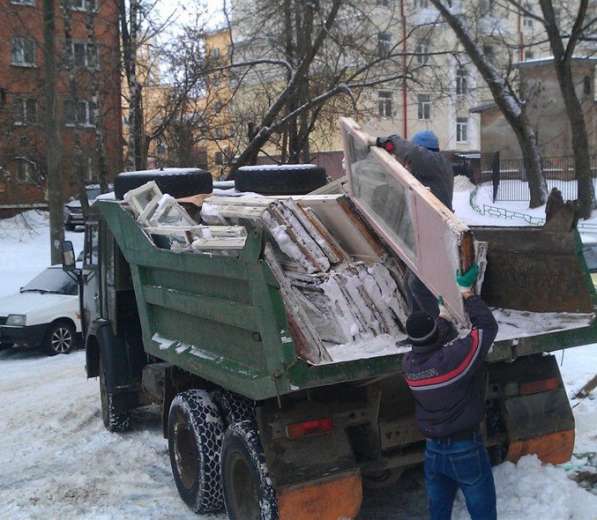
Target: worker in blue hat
[[422, 159]]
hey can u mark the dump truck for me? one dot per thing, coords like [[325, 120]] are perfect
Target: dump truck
[[258, 421]]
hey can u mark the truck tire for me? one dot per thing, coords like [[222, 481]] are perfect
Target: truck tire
[[233, 407], [114, 407], [288, 179], [178, 182], [195, 431], [248, 490], [60, 338]]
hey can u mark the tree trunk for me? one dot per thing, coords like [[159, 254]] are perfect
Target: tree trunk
[[507, 103], [562, 63], [52, 133]]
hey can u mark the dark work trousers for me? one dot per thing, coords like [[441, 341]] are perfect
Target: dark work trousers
[[419, 297], [453, 465]]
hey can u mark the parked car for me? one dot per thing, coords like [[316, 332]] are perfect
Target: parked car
[[590, 252], [44, 313], [73, 212]]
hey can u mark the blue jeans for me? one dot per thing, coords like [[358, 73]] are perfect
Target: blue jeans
[[460, 464]]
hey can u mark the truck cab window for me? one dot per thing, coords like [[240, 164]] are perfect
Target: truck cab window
[[90, 257]]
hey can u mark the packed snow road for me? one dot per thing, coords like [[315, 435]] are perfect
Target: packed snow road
[[58, 462]]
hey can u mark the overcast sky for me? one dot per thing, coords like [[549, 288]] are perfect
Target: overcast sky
[[180, 7]]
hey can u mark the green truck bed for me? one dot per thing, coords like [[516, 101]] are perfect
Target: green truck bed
[[222, 318]]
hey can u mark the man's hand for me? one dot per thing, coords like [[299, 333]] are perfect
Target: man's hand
[[467, 280], [385, 143]]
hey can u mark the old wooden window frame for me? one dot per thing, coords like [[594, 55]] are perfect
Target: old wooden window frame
[[442, 243]]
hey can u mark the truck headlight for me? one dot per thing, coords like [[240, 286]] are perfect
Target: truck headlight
[[16, 320]]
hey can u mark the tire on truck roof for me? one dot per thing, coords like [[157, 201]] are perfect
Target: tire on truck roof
[[178, 182], [285, 179]]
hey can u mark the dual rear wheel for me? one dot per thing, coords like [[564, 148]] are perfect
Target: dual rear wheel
[[216, 456]]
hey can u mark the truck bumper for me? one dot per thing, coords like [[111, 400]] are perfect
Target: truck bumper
[[329, 498], [28, 336], [553, 448]]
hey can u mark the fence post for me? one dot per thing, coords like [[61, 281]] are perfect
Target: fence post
[[495, 173]]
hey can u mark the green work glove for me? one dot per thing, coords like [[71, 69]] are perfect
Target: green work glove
[[466, 280]]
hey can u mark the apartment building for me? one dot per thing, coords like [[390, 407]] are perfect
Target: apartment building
[[87, 94], [442, 86]]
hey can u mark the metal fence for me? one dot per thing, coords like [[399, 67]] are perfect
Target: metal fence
[[510, 182]]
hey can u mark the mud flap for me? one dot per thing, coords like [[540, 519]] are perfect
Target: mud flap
[[114, 356], [540, 424], [332, 498]]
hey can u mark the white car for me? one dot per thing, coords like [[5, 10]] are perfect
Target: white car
[[45, 313]]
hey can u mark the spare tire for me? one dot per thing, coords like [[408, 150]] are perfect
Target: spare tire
[[275, 179], [178, 182]]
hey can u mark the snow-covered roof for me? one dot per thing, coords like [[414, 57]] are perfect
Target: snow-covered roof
[[163, 172], [278, 167], [482, 107], [549, 59]]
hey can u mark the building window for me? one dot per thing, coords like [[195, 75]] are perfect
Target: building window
[[461, 81], [422, 52], [215, 53], [384, 44], [487, 7], [461, 130], [22, 2], [587, 85], [528, 20], [421, 4], [83, 5], [529, 54], [489, 53], [23, 52], [385, 3], [86, 169], [24, 171], [219, 158], [424, 106], [384, 102], [25, 111], [82, 54], [79, 113]]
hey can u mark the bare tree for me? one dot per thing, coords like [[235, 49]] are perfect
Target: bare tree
[[507, 100], [51, 127], [563, 54]]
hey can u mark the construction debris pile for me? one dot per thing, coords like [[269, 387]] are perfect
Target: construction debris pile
[[169, 225], [333, 300]]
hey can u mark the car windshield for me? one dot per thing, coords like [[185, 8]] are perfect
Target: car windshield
[[52, 280], [92, 192]]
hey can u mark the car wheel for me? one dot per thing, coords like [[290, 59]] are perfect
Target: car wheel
[[248, 490], [60, 338], [286, 179], [195, 431], [69, 227], [177, 183]]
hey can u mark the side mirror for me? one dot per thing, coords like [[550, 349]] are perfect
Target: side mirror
[[68, 256]]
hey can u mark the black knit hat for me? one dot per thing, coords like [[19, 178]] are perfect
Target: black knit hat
[[421, 328]]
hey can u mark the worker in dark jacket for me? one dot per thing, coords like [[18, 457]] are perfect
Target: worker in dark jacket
[[447, 378], [421, 157]]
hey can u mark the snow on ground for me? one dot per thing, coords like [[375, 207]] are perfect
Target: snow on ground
[[58, 462]]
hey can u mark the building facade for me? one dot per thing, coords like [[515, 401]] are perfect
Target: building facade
[[87, 94]]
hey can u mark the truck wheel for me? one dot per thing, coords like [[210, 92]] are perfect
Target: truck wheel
[[178, 182], [115, 412], [195, 431], [60, 338], [288, 179], [233, 407], [248, 490]]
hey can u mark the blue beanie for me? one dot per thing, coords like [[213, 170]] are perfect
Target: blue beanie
[[426, 139]]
